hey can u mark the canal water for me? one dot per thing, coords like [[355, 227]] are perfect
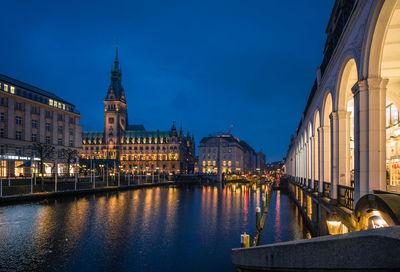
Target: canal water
[[159, 229]]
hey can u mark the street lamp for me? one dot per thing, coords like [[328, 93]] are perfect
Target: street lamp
[[334, 224]]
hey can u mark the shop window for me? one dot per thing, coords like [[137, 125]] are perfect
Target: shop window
[[19, 171], [3, 168]]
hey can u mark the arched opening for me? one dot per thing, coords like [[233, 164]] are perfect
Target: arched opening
[[326, 137], [390, 69], [348, 79], [384, 63], [316, 148]]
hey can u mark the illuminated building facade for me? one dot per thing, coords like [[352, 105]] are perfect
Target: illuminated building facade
[[31, 115], [228, 152], [137, 149], [346, 147]]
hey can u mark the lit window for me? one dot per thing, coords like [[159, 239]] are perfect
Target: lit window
[[12, 89], [5, 87], [51, 102]]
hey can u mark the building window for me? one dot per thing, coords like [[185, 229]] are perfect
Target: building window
[[111, 120], [2, 116], [48, 114], [34, 123], [5, 88], [60, 129], [3, 101], [71, 144], [48, 127], [47, 139], [1, 132], [71, 132], [72, 120], [34, 137], [12, 89], [18, 151], [18, 120], [18, 135], [2, 151], [35, 110], [18, 106], [60, 117], [60, 142]]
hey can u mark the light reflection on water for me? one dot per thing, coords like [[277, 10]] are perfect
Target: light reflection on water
[[160, 229]]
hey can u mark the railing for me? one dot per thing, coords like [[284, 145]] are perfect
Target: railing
[[346, 196], [25, 186], [326, 189], [316, 185]]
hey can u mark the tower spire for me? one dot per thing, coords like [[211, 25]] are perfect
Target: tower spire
[[116, 61]]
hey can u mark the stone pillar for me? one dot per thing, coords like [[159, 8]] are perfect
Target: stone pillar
[[27, 123], [343, 148], [369, 136], [377, 134], [312, 158], [321, 158], [42, 125], [306, 162], [334, 154], [11, 118]]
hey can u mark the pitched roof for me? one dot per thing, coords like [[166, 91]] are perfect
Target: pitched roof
[[135, 128]]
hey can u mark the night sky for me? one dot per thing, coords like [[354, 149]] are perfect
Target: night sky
[[207, 64]]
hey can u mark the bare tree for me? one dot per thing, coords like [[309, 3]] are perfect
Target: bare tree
[[69, 155], [44, 152]]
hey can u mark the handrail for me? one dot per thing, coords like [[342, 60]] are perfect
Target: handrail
[[346, 196], [326, 189]]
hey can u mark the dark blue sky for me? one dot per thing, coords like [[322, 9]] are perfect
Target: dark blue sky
[[208, 64]]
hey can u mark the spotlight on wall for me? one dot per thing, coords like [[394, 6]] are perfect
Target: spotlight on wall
[[334, 224]]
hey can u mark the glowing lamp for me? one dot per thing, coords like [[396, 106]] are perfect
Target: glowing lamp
[[334, 224]]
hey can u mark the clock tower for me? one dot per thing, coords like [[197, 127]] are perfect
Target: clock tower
[[115, 111]]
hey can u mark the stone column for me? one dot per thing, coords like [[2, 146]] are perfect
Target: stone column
[[369, 136], [334, 153], [42, 125], [312, 158], [321, 158], [11, 118], [27, 123], [343, 148], [377, 134]]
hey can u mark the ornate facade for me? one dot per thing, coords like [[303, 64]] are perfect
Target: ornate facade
[[137, 149]]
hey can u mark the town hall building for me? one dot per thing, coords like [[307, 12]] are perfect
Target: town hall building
[[136, 149]]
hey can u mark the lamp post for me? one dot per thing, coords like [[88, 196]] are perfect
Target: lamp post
[[119, 175]]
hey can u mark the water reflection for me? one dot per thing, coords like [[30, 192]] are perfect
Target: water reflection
[[159, 229]]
